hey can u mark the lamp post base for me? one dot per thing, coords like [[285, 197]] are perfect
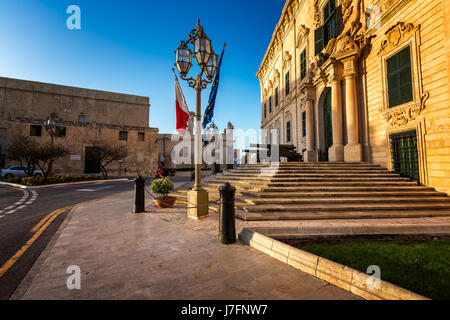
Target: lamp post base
[[198, 204]]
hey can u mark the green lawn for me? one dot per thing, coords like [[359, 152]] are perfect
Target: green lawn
[[422, 267]]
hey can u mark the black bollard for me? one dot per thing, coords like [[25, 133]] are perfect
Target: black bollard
[[227, 226], [139, 195]]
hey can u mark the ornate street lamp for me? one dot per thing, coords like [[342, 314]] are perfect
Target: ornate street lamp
[[51, 125], [207, 60]]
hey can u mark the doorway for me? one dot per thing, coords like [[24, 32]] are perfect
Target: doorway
[[91, 162], [327, 128], [405, 157]]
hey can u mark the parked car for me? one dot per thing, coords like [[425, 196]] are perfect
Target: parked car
[[16, 171]]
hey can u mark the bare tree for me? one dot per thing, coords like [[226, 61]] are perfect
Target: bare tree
[[31, 154], [107, 153], [23, 150], [47, 154]]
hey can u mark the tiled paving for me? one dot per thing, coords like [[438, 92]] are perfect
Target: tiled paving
[[160, 255]]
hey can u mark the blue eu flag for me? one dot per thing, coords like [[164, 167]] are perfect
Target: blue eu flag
[[209, 112]]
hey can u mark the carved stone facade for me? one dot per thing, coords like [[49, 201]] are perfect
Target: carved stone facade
[[350, 73], [88, 116]]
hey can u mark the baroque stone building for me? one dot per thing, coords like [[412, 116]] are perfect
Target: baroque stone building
[[87, 116], [362, 80]]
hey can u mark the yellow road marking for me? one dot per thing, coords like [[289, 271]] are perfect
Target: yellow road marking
[[36, 227], [41, 227]]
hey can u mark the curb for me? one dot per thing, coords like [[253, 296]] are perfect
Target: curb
[[337, 274], [15, 185]]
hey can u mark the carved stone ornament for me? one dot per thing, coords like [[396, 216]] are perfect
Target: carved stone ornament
[[352, 36], [303, 32], [317, 16], [401, 117], [286, 60], [276, 76], [396, 35]]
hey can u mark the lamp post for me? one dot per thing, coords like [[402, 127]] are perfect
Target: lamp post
[[51, 125], [207, 61]]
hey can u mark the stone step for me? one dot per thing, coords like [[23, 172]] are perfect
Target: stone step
[[320, 215], [312, 164], [370, 187], [310, 179], [344, 183], [356, 206], [349, 200], [301, 171], [368, 193], [315, 175]]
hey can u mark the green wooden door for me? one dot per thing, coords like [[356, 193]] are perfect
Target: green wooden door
[[328, 125], [327, 128], [405, 157]]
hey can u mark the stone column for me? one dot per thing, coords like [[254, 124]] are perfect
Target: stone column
[[353, 149], [336, 151], [310, 154]]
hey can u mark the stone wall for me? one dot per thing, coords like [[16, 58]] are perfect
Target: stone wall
[[353, 67], [103, 116]]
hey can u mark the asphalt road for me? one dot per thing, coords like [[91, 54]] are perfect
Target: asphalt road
[[21, 210]]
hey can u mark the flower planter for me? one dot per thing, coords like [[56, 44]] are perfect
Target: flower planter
[[166, 203]]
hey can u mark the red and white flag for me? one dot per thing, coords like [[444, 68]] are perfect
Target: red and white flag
[[181, 107]]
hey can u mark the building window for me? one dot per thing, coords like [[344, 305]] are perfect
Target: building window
[[303, 64], [399, 78], [270, 104], [288, 131], [81, 118], [276, 97], [141, 136], [60, 132], [287, 83], [123, 135], [304, 123], [328, 31], [35, 131], [265, 111]]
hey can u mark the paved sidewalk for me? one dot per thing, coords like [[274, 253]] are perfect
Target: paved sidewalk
[[160, 255]]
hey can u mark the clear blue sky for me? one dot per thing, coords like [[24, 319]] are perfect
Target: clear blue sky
[[128, 47]]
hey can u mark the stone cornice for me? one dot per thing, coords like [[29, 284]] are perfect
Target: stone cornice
[[55, 89], [286, 20], [78, 124]]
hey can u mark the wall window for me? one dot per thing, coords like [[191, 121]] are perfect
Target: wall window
[[303, 64], [123, 135], [265, 110], [287, 83], [60, 132], [141, 136], [288, 131], [399, 78], [276, 97], [328, 31], [35, 131], [304, 123], [81, 118], [270, 104]]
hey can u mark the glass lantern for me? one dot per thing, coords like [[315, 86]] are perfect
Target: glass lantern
[[183, 59]]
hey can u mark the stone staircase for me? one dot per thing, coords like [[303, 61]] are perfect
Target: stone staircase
[[310, 191]]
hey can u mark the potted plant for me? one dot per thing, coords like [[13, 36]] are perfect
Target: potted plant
[[162, 187]]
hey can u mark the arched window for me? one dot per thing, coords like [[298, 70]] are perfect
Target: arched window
[[81, 118]]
